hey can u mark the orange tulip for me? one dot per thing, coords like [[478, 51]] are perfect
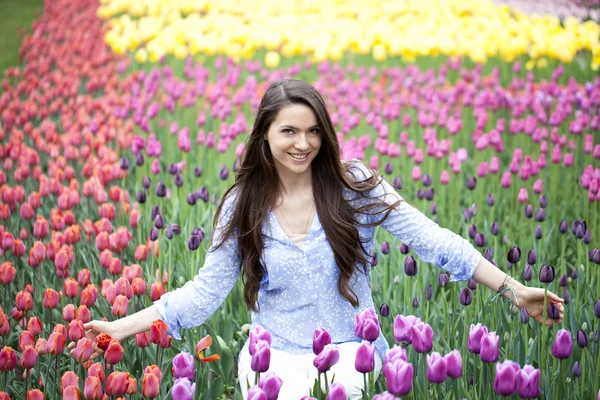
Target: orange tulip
[[71, 393], [35, 394], [4, 325], [83, 314], [120, 306], [83, 350], [56, 343], [8, 359], [26, 211], [40, 227], [69, 378], [7, 273], [102, 241], [122, 286], [60, 328], [114, 352], [141, 252], [134, 217], [102, 341], [158, 331], [75, 330], [115, 266], [70, 287], [139, 286], [26, 339], [50, 298], [202, 345], [39, 251], [19, 247], [23, 301], [117, 384], [157, 291], [41, 346], [61, 260], [83, 277], [105, 257], [96, 370], [93, 388], [87, 297], [35, 326], [150, 386]]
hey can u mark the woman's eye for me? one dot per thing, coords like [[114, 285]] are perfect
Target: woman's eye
[[315, 131], [288, 131]]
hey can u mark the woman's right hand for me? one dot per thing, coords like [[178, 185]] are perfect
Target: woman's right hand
[[92, 330]]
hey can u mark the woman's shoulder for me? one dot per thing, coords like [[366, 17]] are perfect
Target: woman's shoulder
[[357, 168]]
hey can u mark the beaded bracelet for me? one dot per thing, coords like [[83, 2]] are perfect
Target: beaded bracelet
[[504, 288]]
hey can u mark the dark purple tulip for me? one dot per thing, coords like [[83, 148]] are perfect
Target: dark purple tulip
[[161, 189], [336, 392], [528, 211], [124, 165], [415, 302], [576, 369], [433, 208], [471, 183], [146, 182], [538, 232], [388, 169], [595, 256], [527, 272], [404, 249], [420, 194], [159, 222], [490, 199], [426, 180], [153, 233], [385, 247], [141, 197], [178, 180], [480, 240], [582, 338], [563, 227], [543, 201], [472, 284], [466, 297], [197, 172], [261, 358], [540, 215], [237, 164], [591, 253], [270, 384], [191, 199], [375, 260], [596, 336], [194, 242], [176, 229], [467, 215], [563, 281], [327, 358], [397, 183], [531, 257], [547, 274], [574, 273], [506, 381], [437, 369], [494, 228], [580, 232], [454, 364], [489, 347], [597, 309], [398, 377], [224, 174], [155, 212], [172, 169], [552, 311], [428, 293], [384, 310], [198, 232], [410, 266], [566, 296], [472, 231], [587, 238], [422, 337], [443, 279], [524, 315], [170, 233], [529, 382], [321, 338], [139, 159], [429, 193], [488, 253], [514, 255], [202, 194], [365, 358], [473, 209], [563, 345]]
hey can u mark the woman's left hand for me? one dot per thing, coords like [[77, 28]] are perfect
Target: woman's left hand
[[533, 300]]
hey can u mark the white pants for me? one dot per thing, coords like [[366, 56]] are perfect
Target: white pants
[[298, 372]]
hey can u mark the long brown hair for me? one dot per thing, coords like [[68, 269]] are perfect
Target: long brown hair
[[256, 188]]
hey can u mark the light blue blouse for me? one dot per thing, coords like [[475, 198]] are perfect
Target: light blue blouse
[[299, 293]]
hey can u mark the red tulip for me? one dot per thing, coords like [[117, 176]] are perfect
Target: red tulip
[[83, 350], [23, 301], [8, 241], [75, 330], [87, 297], [150, 386], [83, 277], [83, 314], [26, 339], [19, 247], [50, 298], [39, 251], [8, 359], [105, 257], [70, 393], [29, 357], [132, 271], [96, 370], [35, 394], [117, 384], [41, 346], [70, 287], [153, 369], [40, 227], [4, 395], [141, 253], [115, 266], [4, 325], [114, 352], [69, 378], [7, 273], [102, 241], [102, 341], [158, 331], [93, 388], [35, 326], [122, 286], [120, 306], [56, 343], [139, 286], [26, 211], [69, 312], [157, 291], [142, 340], [60, 328]]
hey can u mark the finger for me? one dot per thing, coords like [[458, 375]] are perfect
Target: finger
[[71, 345], [552, 296]]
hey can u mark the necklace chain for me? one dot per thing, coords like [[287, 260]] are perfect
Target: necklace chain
[[307, 220]]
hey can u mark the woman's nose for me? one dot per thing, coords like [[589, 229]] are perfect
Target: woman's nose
[[301, 141]]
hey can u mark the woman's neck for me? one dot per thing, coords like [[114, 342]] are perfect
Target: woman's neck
[[292, 185]]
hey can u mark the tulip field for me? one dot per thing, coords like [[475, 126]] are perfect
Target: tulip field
[[125, 122]]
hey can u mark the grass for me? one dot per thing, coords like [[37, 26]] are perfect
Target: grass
[[15, 19]]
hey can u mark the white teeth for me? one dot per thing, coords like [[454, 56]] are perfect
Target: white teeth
[[298, 158]]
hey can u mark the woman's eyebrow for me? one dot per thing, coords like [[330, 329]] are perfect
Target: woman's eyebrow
[[293, 127]]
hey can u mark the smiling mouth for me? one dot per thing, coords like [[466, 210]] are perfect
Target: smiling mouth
[[298, 156]]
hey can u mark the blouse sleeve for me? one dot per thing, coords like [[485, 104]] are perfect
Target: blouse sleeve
[[432, 243], [194, 302]]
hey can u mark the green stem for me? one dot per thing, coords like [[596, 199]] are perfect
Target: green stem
[[326, 382], [583, 372], [364, 394]]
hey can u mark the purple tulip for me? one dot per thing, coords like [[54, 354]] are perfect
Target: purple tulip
[[327, 358], [384, 310], [336, 392], [563, 344], [475, 334], [529, 382], [490, 199], [566, 296], [531, 257], [256, 334], [563, 226], [494, 228], [514, 255], [454, 365], [178, 180], [537, 233], [183, 389], [428, 293], [436, 368], [489, 347], [471, 183], [139, 159], [563, 281], [547, 273], [398, 377], [146, 182], [141, 197], [193, 242], [374, 260], [256, 393], [422, 337], [183, 366], [597, 309], [480, 240], [388, 168], [385, 247], [402, 328], [582, 338], [527, 272], [270, 384], [443, 279], [465, 296], [552, 311], [415, 302], [404, 249], [366, 325], [410, 266], [396, 352], [261, 356], [524, 315], [576, 371], [224, 174], [161, 189], [321, 338], [159, 222], [543, 201], [426, 180], [385, 396], [153, 233], [365, 357], [506, 381], [198, 172], [397, 183]]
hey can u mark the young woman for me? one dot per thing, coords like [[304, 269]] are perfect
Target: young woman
[[298, 225]]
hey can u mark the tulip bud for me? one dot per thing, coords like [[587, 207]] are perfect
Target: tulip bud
[[150, 386], [547, 273], [443, 279], [384, 310], [582, 338], [436, 368], [494, 228], [326, 359], [385, 247], [552, 311], [261, 356], [365, 357], [514, 255], [466, 297], [410, 266], [506, 381], [563, 344], [161, 189], [428, 293], [538, 232], [93, 388], [489, 347]]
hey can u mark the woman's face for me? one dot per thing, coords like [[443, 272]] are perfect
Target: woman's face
[[294, 138]]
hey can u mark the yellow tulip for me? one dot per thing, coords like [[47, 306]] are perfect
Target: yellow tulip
[[272, 59]]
